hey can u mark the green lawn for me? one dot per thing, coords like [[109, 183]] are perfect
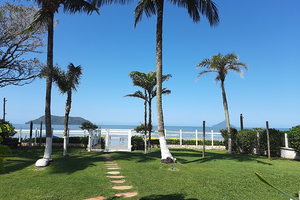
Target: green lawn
[[82, 175]]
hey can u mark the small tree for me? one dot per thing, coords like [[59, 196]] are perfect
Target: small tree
[[233, 132], [6, 130], [247, 140], [276, 141], [88, 126]]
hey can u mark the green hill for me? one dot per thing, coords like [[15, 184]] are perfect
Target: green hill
[[222, 125], [57, 120]]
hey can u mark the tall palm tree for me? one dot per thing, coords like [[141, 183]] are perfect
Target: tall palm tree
[[66, 83], [147, 82], [46, 16], [152, 7], [221, 65]]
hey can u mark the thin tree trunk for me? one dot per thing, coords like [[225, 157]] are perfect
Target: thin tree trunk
[[145, 103], [48, 148], [166, 156], [226, 117], [68, 108], [150, 125]]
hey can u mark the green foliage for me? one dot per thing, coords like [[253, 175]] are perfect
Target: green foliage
[[294, 138], [233, 133], [141, 128], [276, 141], [137, 142], [6, 130], [247, 140], [4, 151], [88, 126]]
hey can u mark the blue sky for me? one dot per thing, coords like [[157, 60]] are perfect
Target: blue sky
[[264, 34]]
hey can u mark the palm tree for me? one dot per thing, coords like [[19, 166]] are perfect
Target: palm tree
[[147, 82], [66, 83], [221, 64], [152, 7], [46, 16]]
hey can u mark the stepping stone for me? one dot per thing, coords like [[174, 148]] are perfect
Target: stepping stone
[[115, 176], [113, 164], [127, 194], [118, 181], [97, 198], [113, 172], [114, 168], [123, 187]]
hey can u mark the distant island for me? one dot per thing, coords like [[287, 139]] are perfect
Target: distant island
[[57, 120], [222, 125]]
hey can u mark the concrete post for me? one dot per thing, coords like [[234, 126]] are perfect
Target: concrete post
[[286, 141], [212, 138], [20, 134], [129, 140], [196, 137]]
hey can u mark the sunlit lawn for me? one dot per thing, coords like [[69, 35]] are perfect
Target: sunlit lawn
[[82, 175]]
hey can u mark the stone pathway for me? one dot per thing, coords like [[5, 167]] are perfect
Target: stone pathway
[[112, 165]]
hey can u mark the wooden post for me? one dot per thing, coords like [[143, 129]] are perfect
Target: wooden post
[[241, 119], [30, 140], [203, 152], [268, 140], [4, 108], [20, 134], [36, 132], [41, 129]]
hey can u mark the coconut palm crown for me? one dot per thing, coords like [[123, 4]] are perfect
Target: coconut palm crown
[[221, 65]]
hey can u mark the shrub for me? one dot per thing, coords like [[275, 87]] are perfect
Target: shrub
[[276, 141], [6, 131], [137, 143], [247, 140], [233, 132], [294, 138]]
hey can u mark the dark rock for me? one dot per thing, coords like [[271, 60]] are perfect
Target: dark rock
[[168, 160]]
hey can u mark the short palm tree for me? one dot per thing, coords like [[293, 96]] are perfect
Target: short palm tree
[[148, 83], [221, 65], [66, 83], [46, 16]]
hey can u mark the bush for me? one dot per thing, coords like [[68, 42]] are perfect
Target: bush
[[276, 141], [6, 131], [247, 140], [294, 138], [233, 132], [138, 143]]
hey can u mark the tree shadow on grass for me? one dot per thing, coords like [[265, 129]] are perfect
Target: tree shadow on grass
[[186, 156], [166, 197]]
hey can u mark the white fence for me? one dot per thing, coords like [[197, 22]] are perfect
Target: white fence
[[118, 139]]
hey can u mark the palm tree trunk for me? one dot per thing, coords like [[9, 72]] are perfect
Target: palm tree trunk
[[166, 156], [145, 122], [150, 125], [68, 108], [226, 117], [48, 148]]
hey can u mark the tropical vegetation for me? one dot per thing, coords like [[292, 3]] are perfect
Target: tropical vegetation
[[294, 138], [221, 65], [46, 16], [148, 83]]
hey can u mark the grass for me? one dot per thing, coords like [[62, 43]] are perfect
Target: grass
[[82, 175]]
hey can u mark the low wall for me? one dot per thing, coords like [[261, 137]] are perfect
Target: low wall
[[177, 146], [26, 144], [289, 153]]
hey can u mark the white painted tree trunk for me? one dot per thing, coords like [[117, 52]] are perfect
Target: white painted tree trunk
[[65, 147], [48, 148], [164, 149]]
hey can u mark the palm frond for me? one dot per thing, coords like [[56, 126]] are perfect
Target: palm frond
[[100, 3], [73, 6], [147, 6], [137, 94]]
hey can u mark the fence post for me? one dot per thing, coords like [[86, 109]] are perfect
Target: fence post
[[268, 140], [20, 134], [129, 140], [212, 138], [203, 152], [180, 136], [41, 129], [286, 141], [106, 139], [30, 140], [36, 132], [196, 138]]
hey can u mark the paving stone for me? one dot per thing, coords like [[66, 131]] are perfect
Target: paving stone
[[122, 187], [127, 194], [118, 181], [113, 172], [115, 176], [114, 168], [97, 198]]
